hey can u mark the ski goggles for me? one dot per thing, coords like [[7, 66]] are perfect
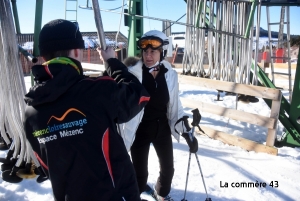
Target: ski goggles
[[152, 42]]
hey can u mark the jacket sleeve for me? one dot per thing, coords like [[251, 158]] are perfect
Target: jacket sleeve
[[33, 141], [175, 109], [132, 96], [29, 135]]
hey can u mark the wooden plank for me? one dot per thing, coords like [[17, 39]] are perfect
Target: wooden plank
[[275, 109], [231, 113], [92, 67], [239, 141], [257, 91], [93, 73], [284, 65]]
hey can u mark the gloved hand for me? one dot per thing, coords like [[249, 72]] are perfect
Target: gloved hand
[[191, 141], [106, 54], [196, 117]]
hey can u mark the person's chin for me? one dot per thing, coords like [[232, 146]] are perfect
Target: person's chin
[[149, 64]]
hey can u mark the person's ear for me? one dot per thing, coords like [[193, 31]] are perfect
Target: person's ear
[[76, 53]]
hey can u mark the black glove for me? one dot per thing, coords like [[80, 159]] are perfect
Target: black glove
[[193, 143], [196, 119]]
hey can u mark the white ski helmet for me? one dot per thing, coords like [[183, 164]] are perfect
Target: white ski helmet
[[158, 35]]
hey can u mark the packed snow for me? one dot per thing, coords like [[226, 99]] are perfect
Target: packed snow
[[225, 169]]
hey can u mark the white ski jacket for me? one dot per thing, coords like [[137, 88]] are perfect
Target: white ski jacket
[[174, 112]]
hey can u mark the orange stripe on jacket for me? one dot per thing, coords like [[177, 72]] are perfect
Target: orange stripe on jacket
[[105, 150], [41, 161], [143, 99]]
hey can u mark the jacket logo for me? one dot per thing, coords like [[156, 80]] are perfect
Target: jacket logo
[[65, 129], [65, 114]]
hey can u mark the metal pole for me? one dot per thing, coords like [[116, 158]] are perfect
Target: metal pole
[[254, 81], [27, 55], [99, 26], [187, 177], [37, 29], [207, 198], [37, 26], [16, 18]]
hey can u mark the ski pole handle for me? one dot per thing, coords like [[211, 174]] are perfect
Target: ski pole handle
[[196, 117], [191, 134], [186, 123]]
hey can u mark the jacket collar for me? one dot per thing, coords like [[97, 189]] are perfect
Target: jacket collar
[[52, 80]]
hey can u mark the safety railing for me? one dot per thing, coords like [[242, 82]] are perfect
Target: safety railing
[[262, 92]]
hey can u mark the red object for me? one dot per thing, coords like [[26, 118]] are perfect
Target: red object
[[279, 53], [175, 54], [89, 55], [266, 56]]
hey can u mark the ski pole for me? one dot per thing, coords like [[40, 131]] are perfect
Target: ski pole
[[186, 124], [187, 177], [196, 122], [207, 198]]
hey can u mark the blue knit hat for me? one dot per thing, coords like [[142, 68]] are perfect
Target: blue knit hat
[[59, 35]]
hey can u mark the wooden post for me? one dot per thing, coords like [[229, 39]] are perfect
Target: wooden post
[[270, 141], [89, 54], [175, 54]]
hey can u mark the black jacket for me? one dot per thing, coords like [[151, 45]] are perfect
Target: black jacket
[[70, 122]]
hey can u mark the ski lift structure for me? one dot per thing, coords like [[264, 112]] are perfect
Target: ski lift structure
[[228, 22], [230, 60]]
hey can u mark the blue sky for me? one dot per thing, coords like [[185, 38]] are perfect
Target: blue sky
[[163, 9]]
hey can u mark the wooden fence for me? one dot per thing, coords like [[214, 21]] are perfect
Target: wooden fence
[[257, 91], [89, 56]]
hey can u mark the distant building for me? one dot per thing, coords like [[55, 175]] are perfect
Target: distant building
[[90, 39], [178, 39], [90, 55]]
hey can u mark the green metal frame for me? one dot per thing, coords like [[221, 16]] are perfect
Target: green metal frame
[[136, 26], [71, 10], [16, 17], [37, 29], [280, 3], [289, 113], [37, 26]]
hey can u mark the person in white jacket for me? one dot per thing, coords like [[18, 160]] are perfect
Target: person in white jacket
[[156, 122]]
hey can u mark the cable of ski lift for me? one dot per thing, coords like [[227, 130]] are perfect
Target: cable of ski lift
[[87, 6], [147, 17], [91, 8], [117, 46], [173, 23]]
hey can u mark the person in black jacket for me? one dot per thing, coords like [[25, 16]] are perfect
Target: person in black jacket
[[70, 120]]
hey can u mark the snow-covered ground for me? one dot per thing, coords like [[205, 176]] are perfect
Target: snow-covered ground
[[225, 168]]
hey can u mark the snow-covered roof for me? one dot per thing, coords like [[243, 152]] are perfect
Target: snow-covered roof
[[90, 39]]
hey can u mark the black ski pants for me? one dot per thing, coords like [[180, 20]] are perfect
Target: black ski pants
[[159, 134]]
